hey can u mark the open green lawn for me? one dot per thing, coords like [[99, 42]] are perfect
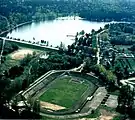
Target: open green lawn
[[64, 92]]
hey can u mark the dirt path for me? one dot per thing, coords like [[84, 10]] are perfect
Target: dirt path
[[51, 106]]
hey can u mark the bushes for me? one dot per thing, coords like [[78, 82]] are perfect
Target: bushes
[[103, 74], [26, 60], [8, 48], [15, 71]]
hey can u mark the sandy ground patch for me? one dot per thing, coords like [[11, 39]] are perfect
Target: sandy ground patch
[[88, 119], [20, 54], [105, 115], [51, 106]]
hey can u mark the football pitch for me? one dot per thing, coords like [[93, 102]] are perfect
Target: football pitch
[[64, 91]]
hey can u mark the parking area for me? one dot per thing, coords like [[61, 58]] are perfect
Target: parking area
[[112, 101]]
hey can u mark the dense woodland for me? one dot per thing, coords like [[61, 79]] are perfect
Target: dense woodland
[[18, 11], [122, 34]]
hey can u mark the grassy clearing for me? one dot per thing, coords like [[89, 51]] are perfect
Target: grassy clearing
[[64, 92], [15, 57]]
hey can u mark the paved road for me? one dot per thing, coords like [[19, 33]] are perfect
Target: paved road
[[130, 82], [98, 47], [26, 42], [80, 68]]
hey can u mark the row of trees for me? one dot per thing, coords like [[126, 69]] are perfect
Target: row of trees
[[105, 75]]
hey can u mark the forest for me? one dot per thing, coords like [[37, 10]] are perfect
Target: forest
[[18, 11]]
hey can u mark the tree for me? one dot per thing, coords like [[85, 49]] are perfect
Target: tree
[[126, 72], [15, 71], [36, 106], [119, 74], [82, 32], [104, 37], [108, 65], [47, 43], [27, 59], [24, 84], [113, 58], [106, 26], [105, 75], [125, 99]]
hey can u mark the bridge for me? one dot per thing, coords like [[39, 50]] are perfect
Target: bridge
[[36, 44]]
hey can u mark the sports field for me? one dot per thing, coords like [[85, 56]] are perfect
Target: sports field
[[64, 92]]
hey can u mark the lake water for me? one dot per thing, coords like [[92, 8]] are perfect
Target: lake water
[[55, 31]]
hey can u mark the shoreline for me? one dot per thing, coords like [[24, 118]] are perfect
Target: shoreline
[[4, 33], [14, 27]]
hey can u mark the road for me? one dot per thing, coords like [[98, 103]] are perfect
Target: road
[[3, 44], [80, 68], [26, 42], [98, 47], [129, 81]]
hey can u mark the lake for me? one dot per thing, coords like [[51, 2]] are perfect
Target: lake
[[55, 31]]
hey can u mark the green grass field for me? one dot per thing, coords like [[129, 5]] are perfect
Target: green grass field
[[64, 92]]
